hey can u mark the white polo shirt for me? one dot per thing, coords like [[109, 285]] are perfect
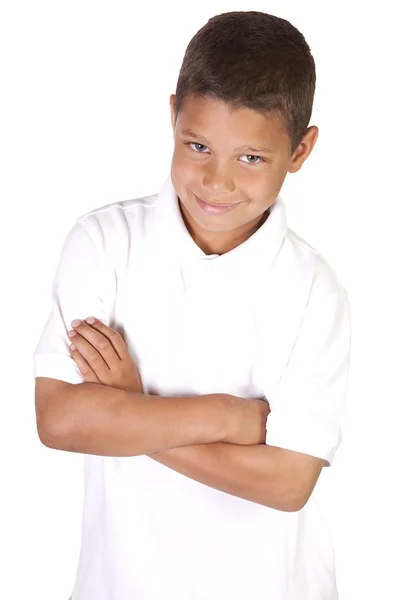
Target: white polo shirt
[[282, 333]]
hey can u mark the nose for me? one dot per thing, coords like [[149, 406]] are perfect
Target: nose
[[218, 180]]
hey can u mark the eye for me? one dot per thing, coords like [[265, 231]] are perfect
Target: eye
[[199, 151], [252, 162]]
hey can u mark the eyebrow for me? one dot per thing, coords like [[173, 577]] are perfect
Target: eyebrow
[[206, 142]]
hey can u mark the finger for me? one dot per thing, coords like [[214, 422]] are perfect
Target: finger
[[91, 356], [112, 335], [85, 369], [98, 341]]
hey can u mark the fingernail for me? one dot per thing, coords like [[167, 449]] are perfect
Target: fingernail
[[71, 333], [76, 322], [90, 320]]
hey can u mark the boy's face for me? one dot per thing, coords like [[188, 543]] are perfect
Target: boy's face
[[229, 157]]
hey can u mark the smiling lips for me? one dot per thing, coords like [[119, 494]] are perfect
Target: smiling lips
[[215, 209], [219, 205]]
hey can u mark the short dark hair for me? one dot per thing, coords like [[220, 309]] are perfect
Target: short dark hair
[[255, 60]]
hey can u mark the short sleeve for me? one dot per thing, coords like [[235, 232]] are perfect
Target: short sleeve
[[78, 291], [308, 402]]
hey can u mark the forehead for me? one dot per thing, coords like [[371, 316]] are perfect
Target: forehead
[[211, 117]]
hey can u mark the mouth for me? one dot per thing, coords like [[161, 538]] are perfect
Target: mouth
[[215, 209]]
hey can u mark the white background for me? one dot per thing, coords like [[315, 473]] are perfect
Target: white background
[[85, 122]]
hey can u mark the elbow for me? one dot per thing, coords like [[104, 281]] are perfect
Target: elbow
[[48, 436], [44, 429], [289, 500], [296, 496], [293, 478], [50, 411], [299, 492], [295, 504], [290, 505], [45, 439]]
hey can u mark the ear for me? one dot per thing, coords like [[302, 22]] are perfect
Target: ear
[[171, 106], [304, 149]]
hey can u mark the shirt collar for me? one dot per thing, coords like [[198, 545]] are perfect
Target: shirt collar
[[171, 239]]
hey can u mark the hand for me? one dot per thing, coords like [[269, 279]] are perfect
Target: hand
[[249, 419], [102, 356]]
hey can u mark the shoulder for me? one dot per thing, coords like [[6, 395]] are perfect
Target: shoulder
[[113, 231], [122, 216], [302, 259]]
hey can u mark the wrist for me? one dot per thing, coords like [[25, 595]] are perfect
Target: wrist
[[226, 416]]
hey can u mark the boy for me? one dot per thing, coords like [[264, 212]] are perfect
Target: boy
[[211, 318]]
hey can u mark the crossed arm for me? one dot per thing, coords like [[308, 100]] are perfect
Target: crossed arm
[[99, 419], [274, 477]]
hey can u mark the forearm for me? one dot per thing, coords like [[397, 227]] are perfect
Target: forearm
[[253, 472], [96, 419]]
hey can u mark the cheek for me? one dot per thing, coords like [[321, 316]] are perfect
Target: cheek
[[254, 187], [182, 167]]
